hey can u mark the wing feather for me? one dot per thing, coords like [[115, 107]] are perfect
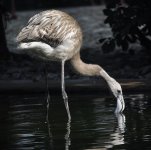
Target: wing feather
[[51, 27]]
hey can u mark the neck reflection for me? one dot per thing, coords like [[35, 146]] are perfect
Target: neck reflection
[[117, 138]]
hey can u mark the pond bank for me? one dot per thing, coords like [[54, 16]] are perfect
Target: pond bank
[[72, 86]]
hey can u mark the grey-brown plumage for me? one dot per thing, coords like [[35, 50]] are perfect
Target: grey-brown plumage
[[55, 35], [51, 27]]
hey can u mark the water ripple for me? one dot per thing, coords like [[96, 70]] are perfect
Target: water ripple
[[94, 125]]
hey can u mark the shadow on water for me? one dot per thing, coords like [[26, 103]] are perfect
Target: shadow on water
[[23, 123]]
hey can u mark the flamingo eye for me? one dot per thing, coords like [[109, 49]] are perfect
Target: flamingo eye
[[118, 91]]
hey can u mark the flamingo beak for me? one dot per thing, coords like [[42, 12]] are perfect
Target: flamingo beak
[[120, 103]]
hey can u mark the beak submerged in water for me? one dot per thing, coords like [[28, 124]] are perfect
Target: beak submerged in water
[[120, 103]]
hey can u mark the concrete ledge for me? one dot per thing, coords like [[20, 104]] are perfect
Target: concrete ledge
[[72, 86]]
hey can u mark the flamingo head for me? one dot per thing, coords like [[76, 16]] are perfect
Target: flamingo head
[[116, 89]]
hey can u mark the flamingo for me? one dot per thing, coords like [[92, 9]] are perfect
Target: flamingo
[[56, 36]]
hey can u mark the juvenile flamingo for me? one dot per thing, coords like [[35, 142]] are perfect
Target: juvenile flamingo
[[55, 35]]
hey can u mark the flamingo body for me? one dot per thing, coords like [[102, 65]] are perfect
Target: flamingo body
[[55, 35], [51, 35]]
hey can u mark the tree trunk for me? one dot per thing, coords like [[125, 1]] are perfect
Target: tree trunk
[[3, 43], [13, 10]]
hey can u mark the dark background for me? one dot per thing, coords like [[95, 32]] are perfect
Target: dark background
[[125, 60], [39, 4]]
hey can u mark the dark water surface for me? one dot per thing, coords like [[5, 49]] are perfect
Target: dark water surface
[[94, 125]]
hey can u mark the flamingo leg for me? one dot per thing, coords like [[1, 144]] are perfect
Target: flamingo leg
[[48, 101], [64, 94], [47, 86]]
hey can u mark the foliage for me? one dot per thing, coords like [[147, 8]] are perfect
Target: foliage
[[130, 21]]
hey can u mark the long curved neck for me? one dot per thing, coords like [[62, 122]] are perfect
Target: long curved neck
[[83, 68], [96, 70], [89, 69]]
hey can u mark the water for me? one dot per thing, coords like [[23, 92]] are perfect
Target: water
[[23, 124]]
